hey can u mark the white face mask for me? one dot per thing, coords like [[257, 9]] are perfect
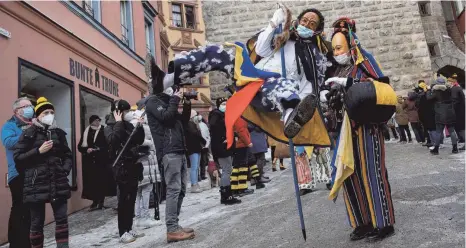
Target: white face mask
[[128, 116], [48, 119], [343, 59]]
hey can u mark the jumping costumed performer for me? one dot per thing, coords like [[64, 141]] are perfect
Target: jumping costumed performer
[[359, 87]]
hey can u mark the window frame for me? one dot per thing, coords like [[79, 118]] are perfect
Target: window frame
[[126, 15], [95, 7], [459, 7], [183, 12], [427, 8]]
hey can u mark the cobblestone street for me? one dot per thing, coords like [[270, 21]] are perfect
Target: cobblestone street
[[428, 194]]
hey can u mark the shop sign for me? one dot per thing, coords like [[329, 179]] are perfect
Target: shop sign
[[93, 77]]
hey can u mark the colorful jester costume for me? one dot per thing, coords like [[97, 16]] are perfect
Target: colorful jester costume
[[359, 161]]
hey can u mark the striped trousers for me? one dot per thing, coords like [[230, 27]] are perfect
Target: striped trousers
[[244, 162], [367, 191]]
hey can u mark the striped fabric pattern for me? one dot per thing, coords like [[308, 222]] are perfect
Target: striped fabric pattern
[[367, 191]]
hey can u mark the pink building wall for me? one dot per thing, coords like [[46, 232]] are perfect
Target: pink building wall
[[41, 42]]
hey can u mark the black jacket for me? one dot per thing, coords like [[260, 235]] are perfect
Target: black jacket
[[218, 134], [126, 171], [166, 124], [457, 95], [444, 111], [194, 142], [46, 175], [425, 109]]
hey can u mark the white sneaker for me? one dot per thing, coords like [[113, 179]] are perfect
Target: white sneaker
[[127, 238], [147, 223], [136, 234]]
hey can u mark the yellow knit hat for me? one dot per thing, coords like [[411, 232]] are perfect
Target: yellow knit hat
[[42, 104]]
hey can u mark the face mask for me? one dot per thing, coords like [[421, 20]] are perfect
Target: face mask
[[222, 108], [304, 32], [128, 116], [48, 119], [343, 59], [28, 112], [169, 91]]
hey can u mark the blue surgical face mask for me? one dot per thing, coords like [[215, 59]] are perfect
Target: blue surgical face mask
[[28, 112], [304, 32], [222, 108]]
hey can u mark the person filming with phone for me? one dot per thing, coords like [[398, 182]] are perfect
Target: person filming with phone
[[43, 156]]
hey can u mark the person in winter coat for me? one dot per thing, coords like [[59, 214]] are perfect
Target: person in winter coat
[[457, 95], [43, 156], [258, 149], [273, 145], [150, 174], [220, 152], [426, 112], [409, 105], [95, 170], [194, 144], [444, 113], [127, 171], [205, 153], [401, 117], [20, 216]]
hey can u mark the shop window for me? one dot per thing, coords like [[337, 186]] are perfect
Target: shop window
[[92, 103], [126, 20], [36, 82], [92, 8], [177, 17], [424, 8], [183, 16]]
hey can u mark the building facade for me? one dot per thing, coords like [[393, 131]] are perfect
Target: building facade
[[81, 55], [411, 39], [185, 30]]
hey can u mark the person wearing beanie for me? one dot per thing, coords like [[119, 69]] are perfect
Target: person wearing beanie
[[222, 155], [43, 155], [445, 115], [126, 171], [194, 145], [20, 219], [95, 171], [458, 98]]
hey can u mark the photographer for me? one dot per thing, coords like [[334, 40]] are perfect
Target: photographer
[[166, 125], [127, 171]]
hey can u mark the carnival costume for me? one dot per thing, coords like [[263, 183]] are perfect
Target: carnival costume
[[359, 161]]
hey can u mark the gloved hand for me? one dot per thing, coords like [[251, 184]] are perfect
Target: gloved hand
[[300, 150], [279, 16], [336, 80], [323, 95]]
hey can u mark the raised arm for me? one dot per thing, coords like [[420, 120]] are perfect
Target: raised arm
[[264, 41]]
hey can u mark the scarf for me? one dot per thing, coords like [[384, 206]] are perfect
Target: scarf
[[86, 133]]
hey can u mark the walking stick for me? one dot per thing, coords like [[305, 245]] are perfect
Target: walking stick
[[292, 153]]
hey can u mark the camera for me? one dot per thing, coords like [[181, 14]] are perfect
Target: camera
[[189, 95]]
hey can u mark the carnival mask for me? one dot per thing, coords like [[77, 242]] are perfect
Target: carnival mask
[[340, 44]]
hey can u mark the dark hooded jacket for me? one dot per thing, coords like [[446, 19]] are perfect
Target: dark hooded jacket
[[444, 110], [426, 110], [458, 98], [45, 175], [167, 124], [218, 134]]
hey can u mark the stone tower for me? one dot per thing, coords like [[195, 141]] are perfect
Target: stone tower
[[408, 45]]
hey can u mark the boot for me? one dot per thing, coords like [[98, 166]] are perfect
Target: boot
[[360, 232], [274, 167], [264, 179], [226, 196], [379, 234], [179, 236], [434, 151], [455, 149], [259, 185], [300, 116], [282, 167]]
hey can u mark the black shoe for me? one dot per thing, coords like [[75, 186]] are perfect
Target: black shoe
[[434, 151], [455, 149], [379, 234], [360, 232], [300, 116], [329, 186], [304, 191], [274, 169], [260, 185], [226, 197]]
